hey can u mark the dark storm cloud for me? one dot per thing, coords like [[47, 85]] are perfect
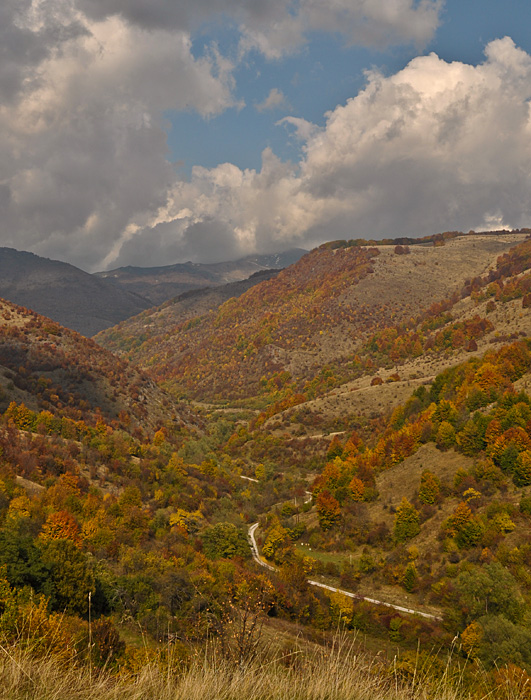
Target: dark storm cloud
[[205, 241], [185, 14], [83, 148], [26, 39]]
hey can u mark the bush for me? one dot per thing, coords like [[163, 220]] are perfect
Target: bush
[[525, 505]]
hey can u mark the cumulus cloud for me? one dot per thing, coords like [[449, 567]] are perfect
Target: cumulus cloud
[[84, 87], [278, 26], [83, 151], [274, 100], [304, 130], [437, 146]]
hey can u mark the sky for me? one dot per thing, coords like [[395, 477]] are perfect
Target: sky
[[150, 132]]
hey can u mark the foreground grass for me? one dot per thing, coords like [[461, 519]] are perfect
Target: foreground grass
[[335, 675]]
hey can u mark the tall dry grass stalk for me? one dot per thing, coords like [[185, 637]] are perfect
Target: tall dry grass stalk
[[338, 674]]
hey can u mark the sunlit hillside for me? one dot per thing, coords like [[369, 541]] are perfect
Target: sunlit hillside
[[314, 316]]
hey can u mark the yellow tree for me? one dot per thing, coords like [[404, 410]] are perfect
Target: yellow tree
[[61, 526]]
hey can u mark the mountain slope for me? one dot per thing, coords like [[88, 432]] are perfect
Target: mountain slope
[[488, 312], [48, 367], [71, 297], [317, 313], [158, 284], [197, 302]]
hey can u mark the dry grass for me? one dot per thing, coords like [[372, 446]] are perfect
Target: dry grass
[[339, 674]]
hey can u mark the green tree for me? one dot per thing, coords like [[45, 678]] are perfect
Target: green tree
[[504, 642], [224, 540], [445, 436], [407, 521], [508, 459], [470, 534], [489, 590], [471, 439], [430, 488], [410, 577], [23, 562], [71, 576], [445, 411]]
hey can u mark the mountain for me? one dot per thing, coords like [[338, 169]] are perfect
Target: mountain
[[70, 296], [187, 305], [48, 367], [90, 303], [303, 329], [158, 284]]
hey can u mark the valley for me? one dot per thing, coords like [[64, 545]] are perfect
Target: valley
[[344, 444]]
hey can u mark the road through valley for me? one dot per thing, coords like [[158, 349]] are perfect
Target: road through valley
[[356, 596]]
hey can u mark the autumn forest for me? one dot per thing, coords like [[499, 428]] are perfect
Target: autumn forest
[[368, 407]]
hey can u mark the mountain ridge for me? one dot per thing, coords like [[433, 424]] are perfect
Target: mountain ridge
[[316, 312], [161, 283], [58, 290]]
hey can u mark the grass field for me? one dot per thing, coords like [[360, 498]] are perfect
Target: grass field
[[335, 674], [335, 557]]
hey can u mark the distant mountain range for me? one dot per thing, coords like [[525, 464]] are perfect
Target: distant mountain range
[[158, 284], [74, 298], [91, 303]]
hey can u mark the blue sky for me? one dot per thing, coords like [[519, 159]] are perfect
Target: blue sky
[[149, 132], [323, 73]]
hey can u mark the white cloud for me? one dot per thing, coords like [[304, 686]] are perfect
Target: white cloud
[[304, 130], [84, 171], [275, 27], [437, 146], [84, 87], [366, 22], [83, 150], [274, 100]]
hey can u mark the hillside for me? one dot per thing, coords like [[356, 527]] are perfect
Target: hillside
[[48, 367], [314, 315], [487, 312], [197, 302], [435, 502], [116, 507], [71, 297], [158, 284]]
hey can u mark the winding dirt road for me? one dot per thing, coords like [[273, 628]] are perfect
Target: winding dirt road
[[356, 596]]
